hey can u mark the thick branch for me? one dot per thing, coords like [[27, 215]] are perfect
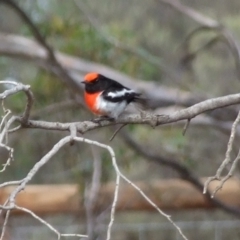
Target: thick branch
[[146, 118], [24, 48], [159, 96]]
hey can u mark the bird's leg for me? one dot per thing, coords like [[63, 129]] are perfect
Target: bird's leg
[[103, 118]]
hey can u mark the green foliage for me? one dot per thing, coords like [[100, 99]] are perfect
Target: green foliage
[[174, 137], [189, 162], [47, 89], [16, 103], [233, 22], [80, 39]]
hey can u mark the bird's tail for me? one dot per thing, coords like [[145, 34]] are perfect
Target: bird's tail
[[142, 101]]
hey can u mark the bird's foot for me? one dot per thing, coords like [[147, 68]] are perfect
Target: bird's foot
[[103, 118]]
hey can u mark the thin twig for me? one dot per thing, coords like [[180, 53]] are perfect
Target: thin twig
[[4, 132], [186, 127], [92, 193], [20, 87], [49, 225], [184, 172], [116, 132], [10, 183], [190, 56], [37, 167], [10, 156], [168, 217], [111, 151], [4, 118], [192, 13], [208, 24], [119, 174], [226, 161], [229, 175], [113, 208], [5, 224], [3, 144], [10, 202]]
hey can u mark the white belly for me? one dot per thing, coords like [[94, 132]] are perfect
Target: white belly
[[111, 109]]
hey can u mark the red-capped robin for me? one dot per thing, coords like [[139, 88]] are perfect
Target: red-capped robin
[[106, 97]]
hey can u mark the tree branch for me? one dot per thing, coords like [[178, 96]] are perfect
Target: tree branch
[[51, 59], [208, 24], [92, 192], [157, 95], [146, 118], [184, 172], [192, 13], [226, 161]]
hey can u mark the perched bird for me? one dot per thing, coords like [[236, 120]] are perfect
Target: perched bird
[[106, 97]]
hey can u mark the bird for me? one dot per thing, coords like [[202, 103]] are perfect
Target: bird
[[106, 97]]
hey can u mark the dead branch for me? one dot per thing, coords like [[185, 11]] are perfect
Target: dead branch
[[193, 14], [92, 192], [226, 161], [29, 50], [59, 235], [73, 128], [184, 172], [51, 58], [8, 120], [10, 203], [147, 119], [208, 24], [18, 87], [159, 96]]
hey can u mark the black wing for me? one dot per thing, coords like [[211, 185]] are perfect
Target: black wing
[[122, 94], [116, 92]]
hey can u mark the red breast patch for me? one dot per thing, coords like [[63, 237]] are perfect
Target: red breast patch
[[91, 101]]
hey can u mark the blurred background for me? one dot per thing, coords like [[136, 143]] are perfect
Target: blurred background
[[146, 43]]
